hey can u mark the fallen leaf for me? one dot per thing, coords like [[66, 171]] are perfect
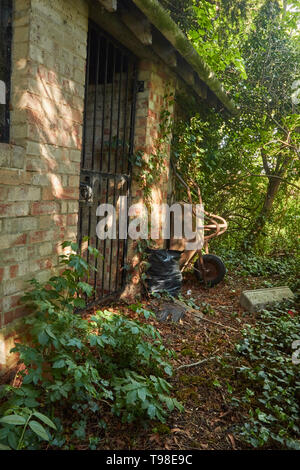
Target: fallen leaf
[[232, 441]]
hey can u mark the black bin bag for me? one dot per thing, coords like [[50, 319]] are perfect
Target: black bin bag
[[164, 272]]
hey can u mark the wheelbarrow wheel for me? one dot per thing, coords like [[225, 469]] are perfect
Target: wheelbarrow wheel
[[215, 270]]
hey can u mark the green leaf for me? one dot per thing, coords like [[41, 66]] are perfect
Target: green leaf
[[59, 364], [151, 411], [86, 288], [131, 397], [45, 419], [75, 342], [49, 332], [39, 430], [216, 383], [168, 370], [4, 433], [16, 420], [12, 440], [142, 392], [31, 402], [170, 403], [80, 303], [43, 338]]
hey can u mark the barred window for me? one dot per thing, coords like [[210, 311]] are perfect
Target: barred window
[[5, 66]]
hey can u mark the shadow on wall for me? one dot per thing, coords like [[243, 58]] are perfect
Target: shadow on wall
[[53, 110]]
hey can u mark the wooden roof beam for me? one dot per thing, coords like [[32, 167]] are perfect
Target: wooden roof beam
[[200, 87], [164, 49], [139, 25], [109, 5], [185, 71], [161, 19]]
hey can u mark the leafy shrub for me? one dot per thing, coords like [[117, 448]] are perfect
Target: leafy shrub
[[249, 263], [21, 427], [270, 380], [80, 365]]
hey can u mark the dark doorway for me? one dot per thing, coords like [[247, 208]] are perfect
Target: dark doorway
[[107, 145], [5, 66]]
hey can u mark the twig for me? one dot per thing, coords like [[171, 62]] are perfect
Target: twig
[[196, 363], [216, 323]]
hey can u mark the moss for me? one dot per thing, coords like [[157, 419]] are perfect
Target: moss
[[162, 18], [192, 379], [188, 352], [161, 429], [196, 445], [187, 394]]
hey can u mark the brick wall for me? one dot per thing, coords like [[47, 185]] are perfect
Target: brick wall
[[40, 168], [39, 177]]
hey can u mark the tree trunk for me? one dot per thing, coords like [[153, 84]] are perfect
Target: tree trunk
[[274, 182], [260, 222]]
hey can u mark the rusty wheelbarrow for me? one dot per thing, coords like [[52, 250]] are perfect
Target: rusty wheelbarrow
[[208, 268]]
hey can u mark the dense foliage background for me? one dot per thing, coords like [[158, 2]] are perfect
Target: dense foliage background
[[247, 165]]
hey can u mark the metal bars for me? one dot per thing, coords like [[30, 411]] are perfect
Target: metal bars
[[108, 134], [5, 66]]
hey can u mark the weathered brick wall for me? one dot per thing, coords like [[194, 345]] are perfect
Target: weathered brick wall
[[39, 177], [158, 82], [40, 168]]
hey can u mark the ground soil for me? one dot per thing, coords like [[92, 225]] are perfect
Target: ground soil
[[209, 420]]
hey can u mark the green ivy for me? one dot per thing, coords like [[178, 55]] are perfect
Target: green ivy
[[269, 380], [151, 166], [283, 268]]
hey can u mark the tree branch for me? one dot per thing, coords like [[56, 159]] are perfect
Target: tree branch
[[277, 177], [196, 363]]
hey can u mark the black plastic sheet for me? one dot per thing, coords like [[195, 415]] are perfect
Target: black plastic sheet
[[164, 272]]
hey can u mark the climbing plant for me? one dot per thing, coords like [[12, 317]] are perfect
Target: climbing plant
[[149, 167]]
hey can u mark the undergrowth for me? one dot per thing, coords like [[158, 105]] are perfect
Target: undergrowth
[[267, 386], [79, 368], [284, 268]]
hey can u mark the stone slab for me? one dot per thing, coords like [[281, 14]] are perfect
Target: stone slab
[[254, 300]]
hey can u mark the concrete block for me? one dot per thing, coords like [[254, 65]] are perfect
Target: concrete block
[[254, 300]]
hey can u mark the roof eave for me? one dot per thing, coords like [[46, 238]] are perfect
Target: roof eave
[[161, 19]]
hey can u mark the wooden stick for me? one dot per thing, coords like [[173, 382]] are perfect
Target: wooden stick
[[216, 323], [196, 363]]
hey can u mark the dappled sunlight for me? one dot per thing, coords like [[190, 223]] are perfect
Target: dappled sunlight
[[84, 247], [57, 188], [50, 159], [54, 122], [21, 64]]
